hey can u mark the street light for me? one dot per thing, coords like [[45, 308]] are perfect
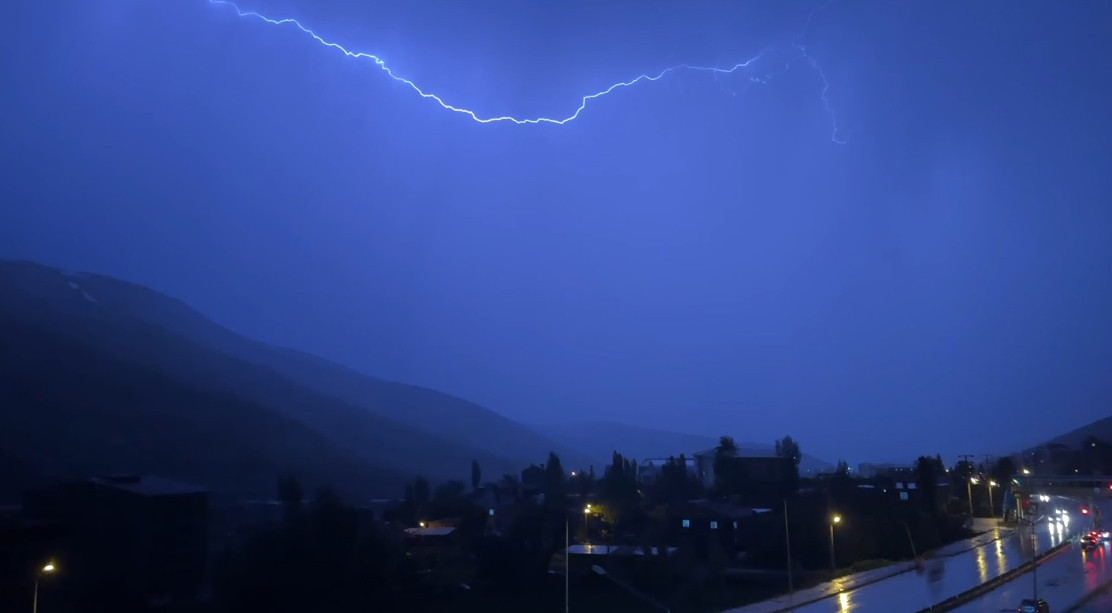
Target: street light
[[991, 510], [598, 570], [969, 492], [833, 520], [45, 570], [1034, 557]]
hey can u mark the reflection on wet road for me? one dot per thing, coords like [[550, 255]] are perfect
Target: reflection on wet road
[[1063, 580], [946, 577]]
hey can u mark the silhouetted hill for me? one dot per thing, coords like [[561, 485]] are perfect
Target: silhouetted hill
[[598, 441], [1101, 429], [140, 335], [71, 409]]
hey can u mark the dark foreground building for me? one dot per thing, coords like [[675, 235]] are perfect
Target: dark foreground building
[[138, 541]]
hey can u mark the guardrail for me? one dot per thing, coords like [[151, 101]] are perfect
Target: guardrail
[[970, 595]]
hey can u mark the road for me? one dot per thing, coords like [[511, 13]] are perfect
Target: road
[[944, 577], [1063, 581]]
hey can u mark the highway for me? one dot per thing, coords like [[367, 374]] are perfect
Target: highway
[[954, 570], [1063, 581], [944, 576]]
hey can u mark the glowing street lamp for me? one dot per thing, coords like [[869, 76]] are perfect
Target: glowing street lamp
[[47, 569], [833, 520]]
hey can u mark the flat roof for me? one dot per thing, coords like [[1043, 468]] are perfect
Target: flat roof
[[445, 531], [613, 550], [149, 486]]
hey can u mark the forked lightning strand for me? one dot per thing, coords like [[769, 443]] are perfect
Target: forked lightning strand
[[535, 120]]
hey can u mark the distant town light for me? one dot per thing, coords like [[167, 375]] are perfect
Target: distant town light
[[421, 524]]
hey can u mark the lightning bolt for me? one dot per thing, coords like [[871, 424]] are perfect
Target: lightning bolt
[[583, 101], [819, 71]]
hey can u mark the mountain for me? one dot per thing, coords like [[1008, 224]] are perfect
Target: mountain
[[273, 406], [1101, 429], [599, 440]]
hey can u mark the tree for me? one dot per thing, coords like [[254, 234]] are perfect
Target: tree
[[449, 492], [842, 469], [421, 493], [927, 473], [476, 474], [675, 484], [555, 483], [618, 490], [788, 451], [726, 472]]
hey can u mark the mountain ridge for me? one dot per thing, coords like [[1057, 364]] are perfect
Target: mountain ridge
[[137, 328]]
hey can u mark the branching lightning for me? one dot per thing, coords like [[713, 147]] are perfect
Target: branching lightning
[[583, 101]]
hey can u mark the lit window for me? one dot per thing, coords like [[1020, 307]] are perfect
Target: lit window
[[735, 525], [903, 495], [713, 525], [492, 512], [687, 523]]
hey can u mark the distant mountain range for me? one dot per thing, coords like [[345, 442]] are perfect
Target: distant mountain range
[[598, 441], [100, 375]]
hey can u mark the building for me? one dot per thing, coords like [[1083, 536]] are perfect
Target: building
[[869, 471], [533, 478], [648, 470], [145, 538], [758, 465]]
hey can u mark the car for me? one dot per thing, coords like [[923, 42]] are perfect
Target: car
[[1089, 541], [1030, 605]]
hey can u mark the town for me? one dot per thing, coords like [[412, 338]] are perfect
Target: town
[[706, 532]]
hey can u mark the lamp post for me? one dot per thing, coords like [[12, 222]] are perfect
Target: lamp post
[[567, 558], [991, 509], [969, 492], [833, 520], [788, 547], [45, 570], [629, 588], [1034, 557]]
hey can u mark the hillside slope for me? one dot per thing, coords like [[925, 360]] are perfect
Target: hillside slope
[[1101, 429], [53, 316], [446, 416], [70, 409]]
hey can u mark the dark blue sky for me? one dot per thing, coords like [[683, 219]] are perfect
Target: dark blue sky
[[692, 254]]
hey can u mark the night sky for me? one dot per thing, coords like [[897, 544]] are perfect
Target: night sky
[[696, 253]]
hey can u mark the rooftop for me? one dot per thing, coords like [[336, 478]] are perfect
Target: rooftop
[[614, 550], [442, 531], [148, 486]]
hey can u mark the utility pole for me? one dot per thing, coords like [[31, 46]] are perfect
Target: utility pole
[[788, 544], [567, 557], [968, 485]]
